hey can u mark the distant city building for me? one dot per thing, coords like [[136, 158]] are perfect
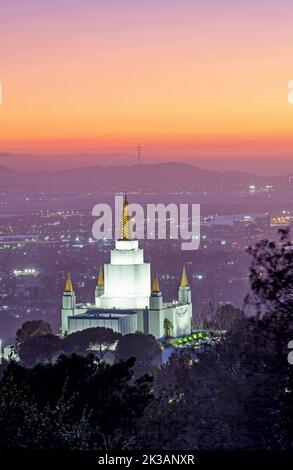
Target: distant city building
[[281, 220], [9, 353], [26, 272], [125, 299]]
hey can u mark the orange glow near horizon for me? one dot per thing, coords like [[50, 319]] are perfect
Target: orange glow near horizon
[[186, 80]]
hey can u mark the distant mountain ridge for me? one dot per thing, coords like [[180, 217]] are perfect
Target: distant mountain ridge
[[160, 177]]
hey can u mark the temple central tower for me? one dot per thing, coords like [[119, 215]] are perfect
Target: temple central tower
[[127, 278]]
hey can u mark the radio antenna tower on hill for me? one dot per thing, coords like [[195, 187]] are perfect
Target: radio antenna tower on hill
[[139, 151]]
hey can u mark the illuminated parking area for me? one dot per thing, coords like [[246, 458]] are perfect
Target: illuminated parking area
[[197, 339]]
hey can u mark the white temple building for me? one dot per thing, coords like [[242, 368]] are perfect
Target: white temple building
[[125, 299]]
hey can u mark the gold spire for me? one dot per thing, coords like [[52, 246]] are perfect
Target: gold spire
[[184, 280], [126, 228], [100, 278], [68, 285], [155, 284]]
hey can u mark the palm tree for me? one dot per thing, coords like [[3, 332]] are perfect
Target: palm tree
[[168, 325]]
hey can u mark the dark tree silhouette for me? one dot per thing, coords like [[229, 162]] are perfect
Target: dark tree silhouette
[[32, 328], [99, 339], [39, 348], [78, 396], [238, 394], [271, 273], [227, 317], [144, 348], [25, 425]]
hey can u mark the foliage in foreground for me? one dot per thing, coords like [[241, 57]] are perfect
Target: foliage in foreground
[[78, 402]]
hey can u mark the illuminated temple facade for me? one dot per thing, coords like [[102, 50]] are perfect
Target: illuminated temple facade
[[125, 300]]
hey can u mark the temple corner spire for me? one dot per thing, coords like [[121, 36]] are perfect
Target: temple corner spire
[[155, 285], [100, 281], [184, 280], [68, 285]]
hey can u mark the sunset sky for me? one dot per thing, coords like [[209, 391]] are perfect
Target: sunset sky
[[187, 78]]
